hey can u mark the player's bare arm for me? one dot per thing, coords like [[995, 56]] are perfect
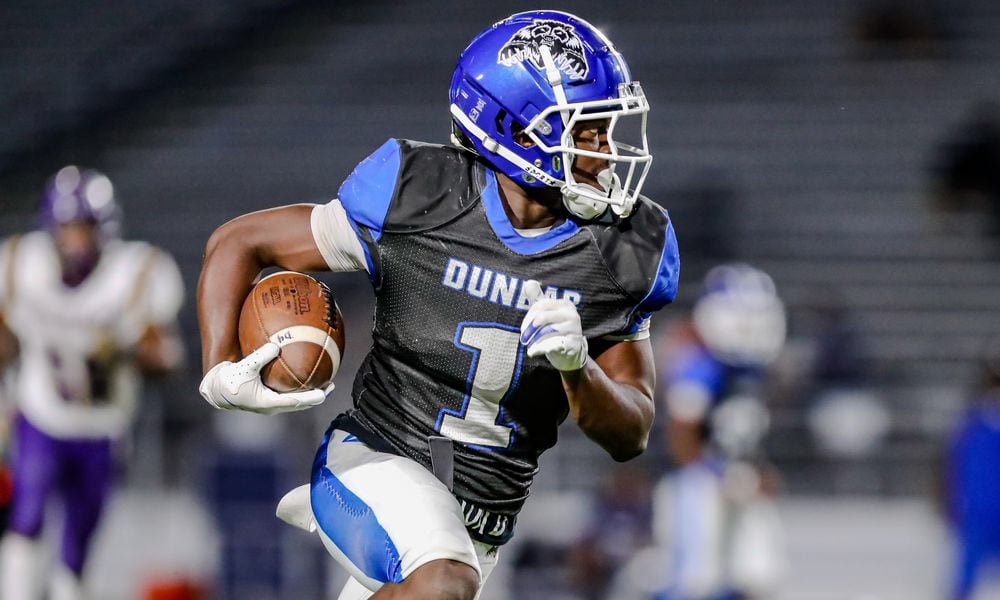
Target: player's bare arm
[[8, 344], [235, 255], [611, 398], [159, 351]]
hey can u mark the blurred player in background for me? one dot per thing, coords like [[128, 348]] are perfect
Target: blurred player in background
[[724, 543], [87, 311], [8, 352], [515, 274], [971, 486]]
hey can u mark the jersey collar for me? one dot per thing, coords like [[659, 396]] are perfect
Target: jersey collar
[[503, 229]]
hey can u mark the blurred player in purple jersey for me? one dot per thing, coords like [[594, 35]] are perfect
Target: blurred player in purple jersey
[[712, 378], [89, 313], [515, 273]]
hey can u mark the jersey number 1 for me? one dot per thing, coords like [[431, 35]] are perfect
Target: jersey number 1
[[496, 361]]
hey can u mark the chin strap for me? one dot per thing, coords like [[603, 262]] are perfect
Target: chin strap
[[581, 206], [554, 78], [494, 147], [589, 202], [613, 184]]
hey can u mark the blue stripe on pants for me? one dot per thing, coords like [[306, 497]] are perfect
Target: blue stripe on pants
[[351, 524]]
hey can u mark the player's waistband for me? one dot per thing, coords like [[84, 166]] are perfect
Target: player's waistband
[[485, 526]]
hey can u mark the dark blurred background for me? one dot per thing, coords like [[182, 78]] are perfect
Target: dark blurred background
[[851, 149]]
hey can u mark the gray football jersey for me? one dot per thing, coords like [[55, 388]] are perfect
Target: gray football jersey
[[448, 270]]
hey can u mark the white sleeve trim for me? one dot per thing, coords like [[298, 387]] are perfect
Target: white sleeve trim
[[336, 239], [641, 333]]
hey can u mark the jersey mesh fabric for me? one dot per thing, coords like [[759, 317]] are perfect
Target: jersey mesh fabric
[[443, 271]]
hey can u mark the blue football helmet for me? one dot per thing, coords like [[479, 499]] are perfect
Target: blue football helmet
[[544, 73], [740, 317]]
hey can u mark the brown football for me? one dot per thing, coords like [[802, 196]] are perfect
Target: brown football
[[299, 314]]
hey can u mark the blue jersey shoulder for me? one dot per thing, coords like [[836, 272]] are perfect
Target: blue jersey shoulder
[[407, 186], [642, 257], [367, 193], [663, 287]]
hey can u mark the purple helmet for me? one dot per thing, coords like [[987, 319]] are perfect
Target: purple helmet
[[541, 73], [80, 195]]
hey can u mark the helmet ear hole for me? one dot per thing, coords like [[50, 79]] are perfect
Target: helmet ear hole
[[517, 132], [501, 117]]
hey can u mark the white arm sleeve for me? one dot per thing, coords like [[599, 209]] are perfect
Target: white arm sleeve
[[336, 238], [642, 333]]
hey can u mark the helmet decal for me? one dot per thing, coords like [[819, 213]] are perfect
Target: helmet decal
[[561, 38]]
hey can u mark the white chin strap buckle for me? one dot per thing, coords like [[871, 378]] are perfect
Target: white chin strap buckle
[[581, 206], [588, 202]]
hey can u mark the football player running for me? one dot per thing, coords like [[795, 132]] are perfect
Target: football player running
[[87, 312], [514, 273], [725, 541]]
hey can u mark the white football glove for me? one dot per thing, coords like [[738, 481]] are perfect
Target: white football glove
[[552, 328], [230, 385]]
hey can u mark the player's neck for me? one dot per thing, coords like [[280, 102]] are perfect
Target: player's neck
[[528, 209], [75, 272]]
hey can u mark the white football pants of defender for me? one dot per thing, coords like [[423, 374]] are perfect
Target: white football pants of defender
[[21, 560], [719, 538], [381, 516]]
